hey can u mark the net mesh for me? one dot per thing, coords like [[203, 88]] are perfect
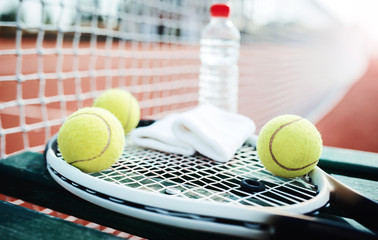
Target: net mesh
[[53, 66], [57, 56]]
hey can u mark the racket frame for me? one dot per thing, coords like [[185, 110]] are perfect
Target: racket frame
[[239, 220]]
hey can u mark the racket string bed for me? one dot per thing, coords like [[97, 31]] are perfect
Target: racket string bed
[[196, 177]]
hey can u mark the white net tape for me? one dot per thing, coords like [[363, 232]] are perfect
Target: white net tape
[[57, 56]]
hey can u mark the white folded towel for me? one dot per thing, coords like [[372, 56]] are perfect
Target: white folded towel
[[159, 136], [213, 132]]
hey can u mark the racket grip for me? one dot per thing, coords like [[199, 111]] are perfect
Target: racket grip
[[353, 204], [299, 228]]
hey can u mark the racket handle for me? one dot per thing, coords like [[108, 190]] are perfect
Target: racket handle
[[352, 203], [302, 228]]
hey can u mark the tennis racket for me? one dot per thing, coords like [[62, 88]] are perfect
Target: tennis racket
[[236, 198]]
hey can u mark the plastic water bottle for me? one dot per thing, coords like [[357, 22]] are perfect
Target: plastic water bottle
[[219, 54]]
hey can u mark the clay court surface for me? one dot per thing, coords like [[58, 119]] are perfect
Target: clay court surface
[[70, 70], [353, 123]]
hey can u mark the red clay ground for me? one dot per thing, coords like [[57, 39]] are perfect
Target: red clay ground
[[353, 123]]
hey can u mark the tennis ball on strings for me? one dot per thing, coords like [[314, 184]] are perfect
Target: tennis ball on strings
[[91, 139], [123, 105], [289, 146]]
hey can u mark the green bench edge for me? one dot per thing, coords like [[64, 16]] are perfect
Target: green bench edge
[[17, 222]]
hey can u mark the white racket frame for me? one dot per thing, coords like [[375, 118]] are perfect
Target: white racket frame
[[180, 212]]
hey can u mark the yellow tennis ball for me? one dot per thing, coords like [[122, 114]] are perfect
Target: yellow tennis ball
[[91, 139], [123, 105], [289, 146]]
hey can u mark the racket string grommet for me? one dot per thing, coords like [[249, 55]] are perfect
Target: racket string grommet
[[172, 191], [251, 185]]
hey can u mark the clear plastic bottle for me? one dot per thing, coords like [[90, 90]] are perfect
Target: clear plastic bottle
[[219, 54]]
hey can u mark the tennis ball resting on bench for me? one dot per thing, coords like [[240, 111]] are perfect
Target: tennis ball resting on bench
[[289, 146], [123, 105], [91, 139]]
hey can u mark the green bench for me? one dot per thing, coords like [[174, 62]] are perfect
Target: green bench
[[24, 176]]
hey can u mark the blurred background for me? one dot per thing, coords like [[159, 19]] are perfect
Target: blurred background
[[314, 58], [353, 122]]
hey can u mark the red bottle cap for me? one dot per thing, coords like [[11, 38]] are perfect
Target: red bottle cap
[[220, 10]]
